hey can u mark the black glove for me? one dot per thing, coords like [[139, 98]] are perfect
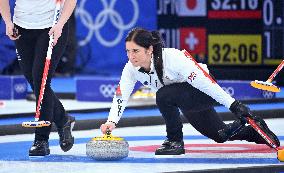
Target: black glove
[[240, 110]]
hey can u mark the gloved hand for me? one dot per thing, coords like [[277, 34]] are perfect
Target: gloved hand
[[242, 113], [240, 110]]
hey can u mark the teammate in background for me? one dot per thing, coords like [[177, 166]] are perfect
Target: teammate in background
[[66, 65], [31, 28], [181, 84]]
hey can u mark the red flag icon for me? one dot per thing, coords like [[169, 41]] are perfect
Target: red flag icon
[[193, 39]]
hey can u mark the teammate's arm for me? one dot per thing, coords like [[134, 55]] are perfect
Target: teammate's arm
[[6, 15]]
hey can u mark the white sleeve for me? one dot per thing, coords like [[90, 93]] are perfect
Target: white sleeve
[[198, 76], [124, 89]]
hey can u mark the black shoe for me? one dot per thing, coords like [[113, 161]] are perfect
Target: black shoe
[[263, 126], [39, 148], [171, 148], [231, 130], [66, 140]]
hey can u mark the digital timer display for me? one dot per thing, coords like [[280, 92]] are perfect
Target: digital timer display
[[225, 32], [234, 9], [234, 49], [234, 4]]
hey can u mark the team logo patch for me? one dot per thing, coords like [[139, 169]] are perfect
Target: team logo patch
[[192, 76]]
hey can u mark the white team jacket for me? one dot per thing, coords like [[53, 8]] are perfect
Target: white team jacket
[[177, 68]]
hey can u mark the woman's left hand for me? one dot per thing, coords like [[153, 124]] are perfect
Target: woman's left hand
[[241, 111], [56, 30]]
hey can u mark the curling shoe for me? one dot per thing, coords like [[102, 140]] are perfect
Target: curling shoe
[[39, 148], [231, 130], [171, 148], [66, 140]]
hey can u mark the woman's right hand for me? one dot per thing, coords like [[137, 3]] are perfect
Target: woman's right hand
[[107, 125], [11, 31]]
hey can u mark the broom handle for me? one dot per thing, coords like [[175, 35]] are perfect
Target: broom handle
[[276, 71], [262, 133], [47, 61]]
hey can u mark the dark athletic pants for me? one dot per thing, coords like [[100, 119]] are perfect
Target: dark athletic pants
[[31, 51], [196, 106]]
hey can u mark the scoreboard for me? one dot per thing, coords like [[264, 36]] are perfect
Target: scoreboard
[[225, 32]]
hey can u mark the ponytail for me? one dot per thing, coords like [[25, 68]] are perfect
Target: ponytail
[[158, 45]]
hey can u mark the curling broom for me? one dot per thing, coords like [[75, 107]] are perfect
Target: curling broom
[[36, 122], [267, 85]]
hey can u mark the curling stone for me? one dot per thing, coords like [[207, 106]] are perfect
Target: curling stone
[[107, 147]]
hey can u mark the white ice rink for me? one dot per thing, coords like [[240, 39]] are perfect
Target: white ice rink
[[201, 153]]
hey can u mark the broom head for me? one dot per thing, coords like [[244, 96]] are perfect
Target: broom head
[[36, 124], [268, 86]]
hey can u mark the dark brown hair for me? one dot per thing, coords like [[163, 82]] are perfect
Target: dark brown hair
[[146, 39]]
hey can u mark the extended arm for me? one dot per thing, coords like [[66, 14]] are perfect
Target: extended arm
[[125, 88], [198, 76]]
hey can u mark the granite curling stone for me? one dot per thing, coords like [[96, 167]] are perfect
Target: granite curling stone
[[107, 147]]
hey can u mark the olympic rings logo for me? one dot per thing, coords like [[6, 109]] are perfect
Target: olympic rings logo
[[108, 12], [108, 90], [268, 94], [20, 88], [229, 90]]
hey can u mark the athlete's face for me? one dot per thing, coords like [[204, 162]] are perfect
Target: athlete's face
[[139, 56]]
